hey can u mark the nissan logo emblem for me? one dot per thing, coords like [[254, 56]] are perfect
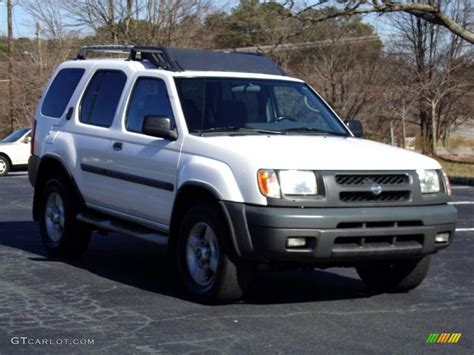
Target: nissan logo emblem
[[376, 189]]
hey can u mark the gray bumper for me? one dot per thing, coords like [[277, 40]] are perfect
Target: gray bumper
[[338, 235]]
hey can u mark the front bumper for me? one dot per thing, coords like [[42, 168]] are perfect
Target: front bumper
[[338, 235]]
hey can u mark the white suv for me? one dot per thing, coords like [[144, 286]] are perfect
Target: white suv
[[231, 164], [15, 151]]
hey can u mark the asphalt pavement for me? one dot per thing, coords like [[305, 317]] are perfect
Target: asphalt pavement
[[120, 298]]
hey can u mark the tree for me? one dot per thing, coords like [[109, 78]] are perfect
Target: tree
[[432, 11], [434, 59]]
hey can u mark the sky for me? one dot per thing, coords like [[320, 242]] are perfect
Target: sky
[[22, 24]]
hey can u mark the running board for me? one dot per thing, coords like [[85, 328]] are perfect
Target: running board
[[115, 225]]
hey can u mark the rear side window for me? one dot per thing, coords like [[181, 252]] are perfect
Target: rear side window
[[60, 92], [102, 96]]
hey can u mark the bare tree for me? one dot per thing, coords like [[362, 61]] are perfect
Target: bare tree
[[433, 58], [432, 11], [95, 14]]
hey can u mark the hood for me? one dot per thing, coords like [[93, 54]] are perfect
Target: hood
[[307, 153]]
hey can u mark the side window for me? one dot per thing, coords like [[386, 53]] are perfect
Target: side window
[[149, 98], [102, 96], [60, 92]]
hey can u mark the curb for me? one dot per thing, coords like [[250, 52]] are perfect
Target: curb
[[461, 180]]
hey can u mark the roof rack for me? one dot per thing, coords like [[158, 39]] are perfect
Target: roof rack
[[182, 59], [114, 49]]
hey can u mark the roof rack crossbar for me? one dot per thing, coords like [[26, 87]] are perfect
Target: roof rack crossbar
[[156, 55], [114, 49]]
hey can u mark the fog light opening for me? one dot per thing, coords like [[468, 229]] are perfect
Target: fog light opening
[[296, 243], [442, 237]]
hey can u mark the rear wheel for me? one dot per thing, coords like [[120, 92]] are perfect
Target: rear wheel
[[395, 276], [61, 233], [207, 272], [4, 166]]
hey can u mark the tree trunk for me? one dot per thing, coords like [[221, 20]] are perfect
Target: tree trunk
[[128, 18], [40, 55], [113, 34], [433, 126], [10, 64], [392, 134], [404, 131]]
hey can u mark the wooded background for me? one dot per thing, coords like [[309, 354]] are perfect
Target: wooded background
[[419, 81]]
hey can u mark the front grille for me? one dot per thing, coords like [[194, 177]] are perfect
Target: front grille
[[381, 179], [379, 241], [387, 224], [364, 196]]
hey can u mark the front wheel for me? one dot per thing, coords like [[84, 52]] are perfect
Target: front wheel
[[395, 276], [208, 273], [61, 233]]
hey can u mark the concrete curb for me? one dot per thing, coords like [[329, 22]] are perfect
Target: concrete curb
[[461, 180]]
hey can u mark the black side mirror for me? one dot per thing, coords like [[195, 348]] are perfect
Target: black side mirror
[[355, 126], [159, 126]]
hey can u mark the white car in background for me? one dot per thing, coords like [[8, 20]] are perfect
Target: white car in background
[[15, 151]]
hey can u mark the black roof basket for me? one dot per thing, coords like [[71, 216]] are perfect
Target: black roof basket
[[182, 59]]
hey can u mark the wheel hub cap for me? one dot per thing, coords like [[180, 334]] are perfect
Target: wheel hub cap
[[202, 254], [3, 166], [54, 217]]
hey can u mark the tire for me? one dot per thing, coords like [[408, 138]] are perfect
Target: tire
[[62, 234], [206, 270], [396, 276], [4, 166]]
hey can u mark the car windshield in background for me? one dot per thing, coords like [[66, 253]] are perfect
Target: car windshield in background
[[253, 106], [15, 135]]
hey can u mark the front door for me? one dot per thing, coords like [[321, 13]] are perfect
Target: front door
[[145, 167]]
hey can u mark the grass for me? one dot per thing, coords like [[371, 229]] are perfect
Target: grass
[[457, 169]]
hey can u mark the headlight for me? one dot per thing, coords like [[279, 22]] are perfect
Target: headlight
[[296, 182], [429, 181], [288, 182]]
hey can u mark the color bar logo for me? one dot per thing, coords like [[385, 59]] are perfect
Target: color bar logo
[[443, 338]]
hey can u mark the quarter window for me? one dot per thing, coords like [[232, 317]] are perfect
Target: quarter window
[[101, 99], [60, 92], [149, 98]]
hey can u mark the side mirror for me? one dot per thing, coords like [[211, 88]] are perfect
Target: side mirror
[[27, 140], [355, 126], [159, 126]]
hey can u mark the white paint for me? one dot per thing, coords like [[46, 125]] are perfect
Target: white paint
[[464, 229], [461, 203]]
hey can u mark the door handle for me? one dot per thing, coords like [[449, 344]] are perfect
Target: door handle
[[118, 146]]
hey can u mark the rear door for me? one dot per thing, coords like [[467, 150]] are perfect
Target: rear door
[[92, 132], [145, 167]]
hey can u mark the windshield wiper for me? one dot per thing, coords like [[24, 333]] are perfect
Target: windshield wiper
[[314, 130], [236, 129]]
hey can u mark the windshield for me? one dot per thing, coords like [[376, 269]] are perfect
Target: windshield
[[246, 106], [15, 135]]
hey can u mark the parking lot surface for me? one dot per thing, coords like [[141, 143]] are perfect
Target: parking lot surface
[[120, 298]]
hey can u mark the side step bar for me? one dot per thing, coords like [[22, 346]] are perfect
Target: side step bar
[[115, 225]]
